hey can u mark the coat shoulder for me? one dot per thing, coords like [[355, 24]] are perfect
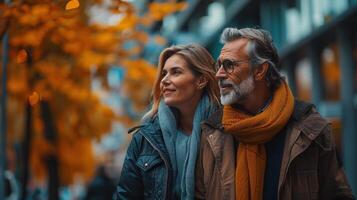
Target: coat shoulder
[[313, 125]]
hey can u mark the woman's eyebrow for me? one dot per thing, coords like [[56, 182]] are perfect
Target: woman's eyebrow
[[175, 68]]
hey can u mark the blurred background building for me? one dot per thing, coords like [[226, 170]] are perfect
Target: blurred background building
[[317, 42]]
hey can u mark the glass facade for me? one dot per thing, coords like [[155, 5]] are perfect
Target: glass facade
[[304, 16], [298, 19], [303, 77], [331, 73], [213, 20]]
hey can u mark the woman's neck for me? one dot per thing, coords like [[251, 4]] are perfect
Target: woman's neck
[[186, 124], [186, 120], [187, 113]]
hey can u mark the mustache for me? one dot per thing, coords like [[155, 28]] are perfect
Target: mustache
[[225, 82]]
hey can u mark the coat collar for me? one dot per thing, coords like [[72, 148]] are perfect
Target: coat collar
[[309, 121], [151, 131], [215, 120]]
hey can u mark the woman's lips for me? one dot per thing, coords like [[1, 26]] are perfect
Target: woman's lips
[[168, 91]]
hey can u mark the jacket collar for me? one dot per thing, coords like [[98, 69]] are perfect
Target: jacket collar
[[309, 121], [151, 131], [215, 120]]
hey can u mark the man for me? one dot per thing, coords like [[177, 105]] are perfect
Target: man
[[264, 144]]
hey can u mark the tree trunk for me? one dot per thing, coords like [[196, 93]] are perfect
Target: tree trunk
[[26, 151], [52, 162], [26, 145]]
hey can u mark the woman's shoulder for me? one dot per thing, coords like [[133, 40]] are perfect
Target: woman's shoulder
[[146, 135], [147, 127], [140, 134]]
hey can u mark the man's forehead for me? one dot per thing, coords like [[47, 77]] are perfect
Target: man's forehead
[[234, 47]]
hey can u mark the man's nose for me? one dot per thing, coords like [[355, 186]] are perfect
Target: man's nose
[[221, 73]]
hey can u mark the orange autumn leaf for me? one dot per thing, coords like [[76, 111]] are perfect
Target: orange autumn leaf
[[21, 56], [159, 10], [105, 39], [72, 4], [90, 59], [34, 98], [127, 23], [72, 47]]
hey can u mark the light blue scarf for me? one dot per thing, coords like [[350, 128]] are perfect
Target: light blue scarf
[[167, 120]]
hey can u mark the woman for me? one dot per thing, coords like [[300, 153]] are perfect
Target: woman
[[161, 157]]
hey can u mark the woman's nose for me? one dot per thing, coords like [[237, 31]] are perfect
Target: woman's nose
[[165, 80]]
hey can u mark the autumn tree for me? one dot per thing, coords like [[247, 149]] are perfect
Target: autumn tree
[[55, 53]]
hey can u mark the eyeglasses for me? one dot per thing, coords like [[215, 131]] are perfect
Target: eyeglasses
[[228, 65]]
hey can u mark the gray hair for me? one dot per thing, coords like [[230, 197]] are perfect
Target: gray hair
[[260, 49]]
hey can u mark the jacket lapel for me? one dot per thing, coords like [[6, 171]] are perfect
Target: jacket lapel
[[305, 126]]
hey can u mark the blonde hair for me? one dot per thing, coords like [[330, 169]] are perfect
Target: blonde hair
[[200, 62]]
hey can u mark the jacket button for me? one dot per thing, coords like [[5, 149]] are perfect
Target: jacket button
[[146, 164]]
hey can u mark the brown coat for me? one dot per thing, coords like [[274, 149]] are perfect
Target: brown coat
[[309, 168]]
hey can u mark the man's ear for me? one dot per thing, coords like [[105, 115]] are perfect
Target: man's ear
[[261, 71], [202, 82]]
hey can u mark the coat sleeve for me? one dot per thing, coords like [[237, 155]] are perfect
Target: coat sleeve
[[200, 190], [332, 179], [130, 184]]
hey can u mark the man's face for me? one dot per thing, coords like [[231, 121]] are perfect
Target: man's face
[[234, 76]]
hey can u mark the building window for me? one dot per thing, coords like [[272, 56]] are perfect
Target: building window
[[331, 73], [324, 10], [298, 13], [303, 76], [213, 20], [310, 14]]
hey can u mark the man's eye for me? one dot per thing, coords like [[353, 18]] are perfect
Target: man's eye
[[227, 63]]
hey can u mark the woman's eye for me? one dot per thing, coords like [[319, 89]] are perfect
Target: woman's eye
[[176, 72]]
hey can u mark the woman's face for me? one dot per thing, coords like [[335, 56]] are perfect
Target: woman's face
[[179, 86]]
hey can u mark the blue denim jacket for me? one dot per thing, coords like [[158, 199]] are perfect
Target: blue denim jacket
[[147, 172]]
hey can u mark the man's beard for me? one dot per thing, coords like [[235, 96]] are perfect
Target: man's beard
[[240, 91]]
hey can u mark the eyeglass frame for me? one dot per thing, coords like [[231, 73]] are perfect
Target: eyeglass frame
[[218, 64]]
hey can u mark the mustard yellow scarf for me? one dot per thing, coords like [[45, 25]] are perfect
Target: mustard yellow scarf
[[253, 132]]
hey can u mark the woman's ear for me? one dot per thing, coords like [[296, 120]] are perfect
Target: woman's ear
[[202, 82]]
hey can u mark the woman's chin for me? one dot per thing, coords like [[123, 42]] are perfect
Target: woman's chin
[[169, 101]]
